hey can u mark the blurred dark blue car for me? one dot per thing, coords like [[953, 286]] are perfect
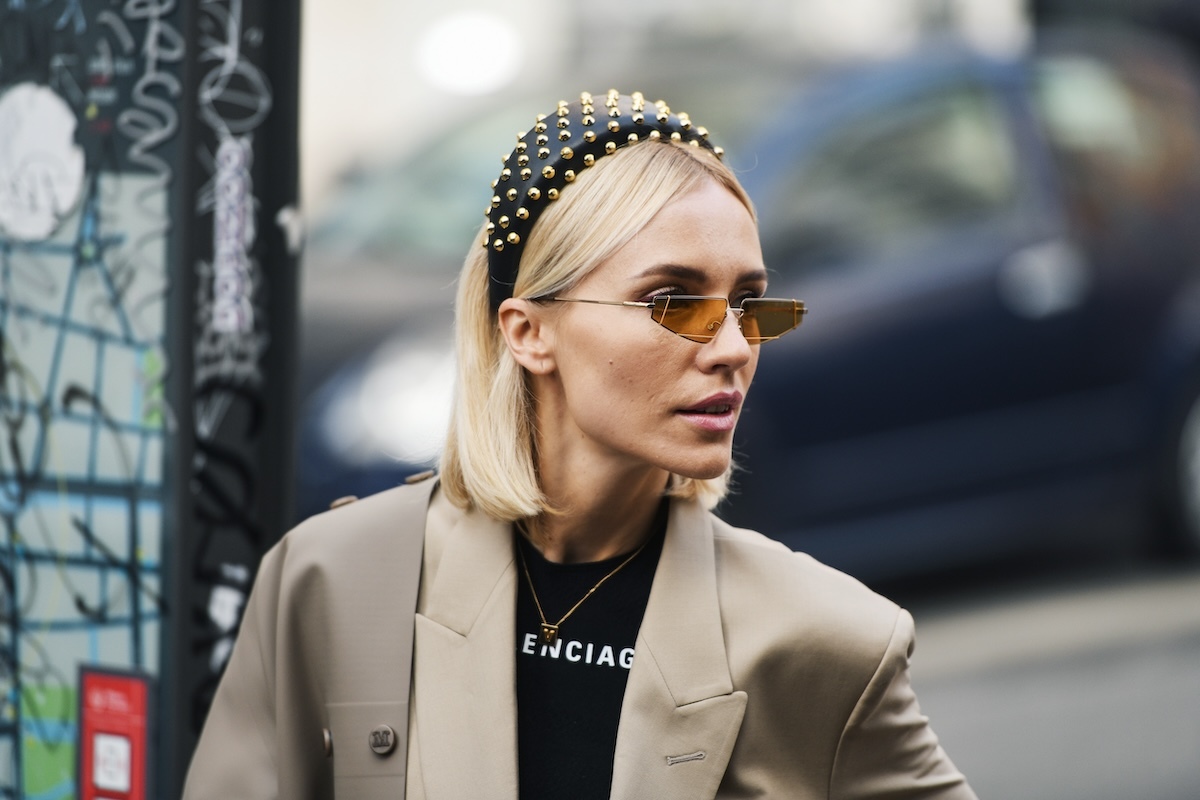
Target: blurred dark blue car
[[1002, 262], [1004, 269]]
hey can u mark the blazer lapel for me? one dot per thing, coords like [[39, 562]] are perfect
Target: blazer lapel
[[680, 717], [464, 664]]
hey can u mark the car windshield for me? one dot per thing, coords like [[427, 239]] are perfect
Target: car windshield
[[429, 205], [897, 178]]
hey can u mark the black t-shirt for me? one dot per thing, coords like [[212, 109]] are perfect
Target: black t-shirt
[[569, 693]]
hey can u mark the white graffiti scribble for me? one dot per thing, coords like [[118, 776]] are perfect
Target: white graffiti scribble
[[153, 119], [233, 234], [41, 166], [234, 98], [150, 121]]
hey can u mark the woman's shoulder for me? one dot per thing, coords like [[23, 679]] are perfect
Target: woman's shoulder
[[355, 529], [798, 597]]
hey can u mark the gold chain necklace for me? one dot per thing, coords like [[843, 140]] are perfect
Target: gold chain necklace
[[550, 631]]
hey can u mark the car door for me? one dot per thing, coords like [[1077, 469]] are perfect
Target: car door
[[946, 305]]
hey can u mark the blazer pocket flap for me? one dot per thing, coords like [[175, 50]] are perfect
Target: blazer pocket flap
[[368, 740]]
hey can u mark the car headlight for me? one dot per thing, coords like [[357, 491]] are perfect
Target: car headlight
[[397, 408]]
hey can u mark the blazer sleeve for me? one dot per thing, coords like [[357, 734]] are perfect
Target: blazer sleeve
[[236, 755], [887, 749]]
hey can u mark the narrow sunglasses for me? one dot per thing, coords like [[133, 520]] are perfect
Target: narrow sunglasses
[[699, 319]]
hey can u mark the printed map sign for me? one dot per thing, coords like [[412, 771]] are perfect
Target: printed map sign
[[85, 228]]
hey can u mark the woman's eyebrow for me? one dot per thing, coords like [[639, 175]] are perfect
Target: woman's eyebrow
[[695, 274]]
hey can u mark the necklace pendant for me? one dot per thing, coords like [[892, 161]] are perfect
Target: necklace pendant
[[549, 633]]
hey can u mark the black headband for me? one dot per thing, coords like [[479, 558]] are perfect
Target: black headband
[[549, 156]]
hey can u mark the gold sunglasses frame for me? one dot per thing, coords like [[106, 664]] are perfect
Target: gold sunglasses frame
[[798, 310]]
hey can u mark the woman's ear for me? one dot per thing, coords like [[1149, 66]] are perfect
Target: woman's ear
[[528, 334]]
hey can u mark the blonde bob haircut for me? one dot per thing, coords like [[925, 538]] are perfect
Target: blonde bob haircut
[[490, 458]]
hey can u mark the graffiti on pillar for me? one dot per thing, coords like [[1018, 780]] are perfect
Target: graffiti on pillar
[[88, 121], [234, 99]]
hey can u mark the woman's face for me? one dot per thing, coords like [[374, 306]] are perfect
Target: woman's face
[[626, 390]]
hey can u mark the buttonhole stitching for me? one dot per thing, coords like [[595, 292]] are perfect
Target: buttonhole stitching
[[673, 760]]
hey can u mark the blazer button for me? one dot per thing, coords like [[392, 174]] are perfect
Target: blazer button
[[383, 740]]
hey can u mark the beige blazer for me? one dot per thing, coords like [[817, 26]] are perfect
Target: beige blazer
[[758, 672]]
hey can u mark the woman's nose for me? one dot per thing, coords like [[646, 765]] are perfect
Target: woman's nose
[[729, 346]]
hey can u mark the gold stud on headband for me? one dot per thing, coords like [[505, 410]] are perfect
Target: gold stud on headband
[[627, 124]]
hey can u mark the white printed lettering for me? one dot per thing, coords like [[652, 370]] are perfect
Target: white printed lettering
[[575, 651], [627, 657]]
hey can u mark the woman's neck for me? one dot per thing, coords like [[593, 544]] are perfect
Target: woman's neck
[[598, 520]]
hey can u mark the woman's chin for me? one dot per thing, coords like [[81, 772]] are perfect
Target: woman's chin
[[703, 470]]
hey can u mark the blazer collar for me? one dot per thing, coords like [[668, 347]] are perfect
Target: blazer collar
[[464, 670], [680, 715]]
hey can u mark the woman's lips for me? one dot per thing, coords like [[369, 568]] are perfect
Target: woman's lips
[[715, 413]]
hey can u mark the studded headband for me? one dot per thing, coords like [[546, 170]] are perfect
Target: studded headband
[[552, 153]]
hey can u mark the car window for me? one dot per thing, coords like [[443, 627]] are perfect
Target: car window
[[893, 181], [430, 203], [1124, 133]]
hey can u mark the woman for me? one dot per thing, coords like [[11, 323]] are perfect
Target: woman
[[585, 627]]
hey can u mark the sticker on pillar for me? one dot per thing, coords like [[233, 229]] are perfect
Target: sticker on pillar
[[114, 741], [112, 762]]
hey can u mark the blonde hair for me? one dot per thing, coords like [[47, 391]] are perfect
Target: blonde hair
[[490, 457]]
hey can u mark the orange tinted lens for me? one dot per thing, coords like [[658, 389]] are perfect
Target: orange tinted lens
[[764, 319], [694, 318]]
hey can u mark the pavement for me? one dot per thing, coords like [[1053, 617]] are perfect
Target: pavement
[[1085, 690], [1056, 623]]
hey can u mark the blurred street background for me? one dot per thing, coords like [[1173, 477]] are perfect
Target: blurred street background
[[229, 237], [1076, 683], [991, 413]]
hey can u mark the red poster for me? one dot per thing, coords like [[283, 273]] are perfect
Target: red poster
[[114, 722]]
